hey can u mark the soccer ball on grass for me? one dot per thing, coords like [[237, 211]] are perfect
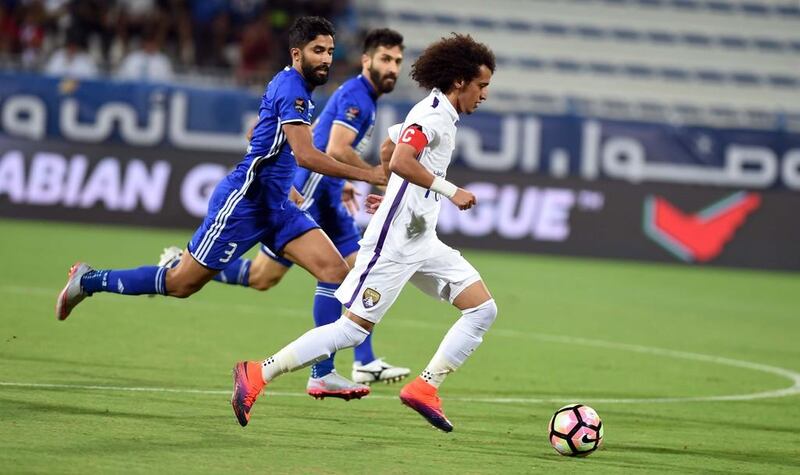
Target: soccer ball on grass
[[575, 430]]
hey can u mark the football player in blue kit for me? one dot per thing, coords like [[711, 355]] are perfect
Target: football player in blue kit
[[343, 130], [251, 205]]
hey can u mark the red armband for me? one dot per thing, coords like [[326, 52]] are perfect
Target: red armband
[[413, 136]]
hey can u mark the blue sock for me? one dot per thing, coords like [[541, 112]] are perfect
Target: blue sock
[[363, 352], [237, 273], [143, 280], [327, 309]]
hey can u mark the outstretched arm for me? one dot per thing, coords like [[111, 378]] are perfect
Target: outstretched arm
[[299, 137]]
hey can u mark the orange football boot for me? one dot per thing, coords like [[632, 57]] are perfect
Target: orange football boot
[[247, 386], [423, 398]]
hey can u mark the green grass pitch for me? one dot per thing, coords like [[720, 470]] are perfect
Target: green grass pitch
[[674, 359]]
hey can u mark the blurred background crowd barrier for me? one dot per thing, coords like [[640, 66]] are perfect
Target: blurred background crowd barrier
[[664, 130]]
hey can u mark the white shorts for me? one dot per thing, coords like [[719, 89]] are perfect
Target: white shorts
[[374, 283]]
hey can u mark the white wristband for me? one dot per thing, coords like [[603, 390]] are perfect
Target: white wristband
[[443, 187]]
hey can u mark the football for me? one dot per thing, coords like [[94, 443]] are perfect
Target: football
[[575, 430]]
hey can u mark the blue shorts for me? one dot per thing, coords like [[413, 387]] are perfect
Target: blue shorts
[[235, 223], [332, 216]]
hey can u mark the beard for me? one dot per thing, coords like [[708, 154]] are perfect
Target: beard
[[380, 81], [312, 73]]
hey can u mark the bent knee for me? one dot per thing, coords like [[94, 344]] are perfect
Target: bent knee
[[265, 274], [484, 314], [334, 273], [350, 332], [262, 283], [181, 287], [184, 290], [490, 307]]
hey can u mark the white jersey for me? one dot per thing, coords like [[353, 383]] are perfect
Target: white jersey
[[404, 226]]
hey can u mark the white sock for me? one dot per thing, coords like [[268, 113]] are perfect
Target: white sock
[[461, 340], [315, 345]]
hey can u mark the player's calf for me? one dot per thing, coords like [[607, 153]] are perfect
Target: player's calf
[[84, 281], [315, 345], [187, 277], [263, 281], [182, 289]]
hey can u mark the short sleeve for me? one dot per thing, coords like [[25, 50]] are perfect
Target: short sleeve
[[294, 104], [429, 123], [394, 132], [351, 114]]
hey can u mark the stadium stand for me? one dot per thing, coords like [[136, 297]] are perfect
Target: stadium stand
[[722, 63]]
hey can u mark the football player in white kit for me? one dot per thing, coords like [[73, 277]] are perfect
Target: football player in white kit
[[400, 243]]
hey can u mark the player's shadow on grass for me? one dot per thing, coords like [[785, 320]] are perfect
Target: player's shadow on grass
[[44, 408], [59, 360]]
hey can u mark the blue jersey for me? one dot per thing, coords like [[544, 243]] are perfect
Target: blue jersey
[[251, 204], [269, 167], [353, 106]]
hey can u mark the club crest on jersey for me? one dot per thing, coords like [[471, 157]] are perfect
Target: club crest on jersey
[[370, 298], [300, 104], [351, 113]]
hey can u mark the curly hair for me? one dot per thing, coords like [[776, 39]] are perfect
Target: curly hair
[[306, 28], [458, 57]]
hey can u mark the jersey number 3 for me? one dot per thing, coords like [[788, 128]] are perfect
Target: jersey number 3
[[229, 252]]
